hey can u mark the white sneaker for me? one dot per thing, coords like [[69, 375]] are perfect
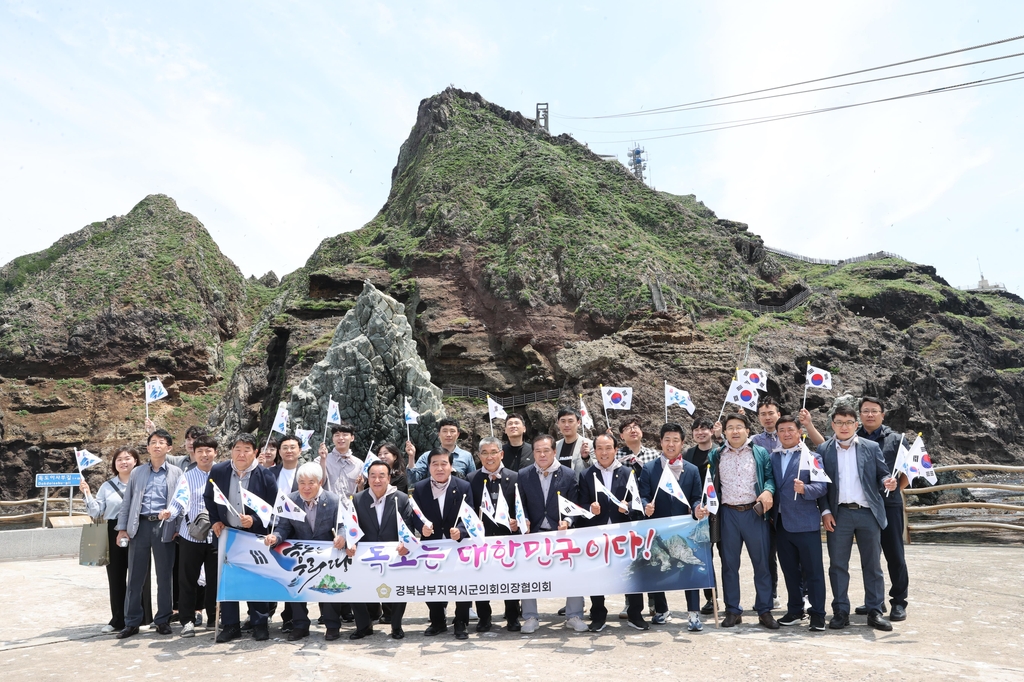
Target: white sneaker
[[577, 624], [188, 630], [107, 629], [530, 626]]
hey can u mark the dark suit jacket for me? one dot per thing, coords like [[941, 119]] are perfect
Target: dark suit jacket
[[276, 470], [387, 529], [609, 512], [457, 489], [325, 525], [507, 487], [872, 469], [802, 514], [537, 508], [690, 481], [262, 483]]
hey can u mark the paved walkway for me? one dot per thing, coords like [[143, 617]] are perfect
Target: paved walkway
[[966, 621]]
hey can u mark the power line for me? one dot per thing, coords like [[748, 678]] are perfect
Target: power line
[[801, 92], [661, 110], [725, 125]]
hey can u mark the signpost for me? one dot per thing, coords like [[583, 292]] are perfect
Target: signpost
[[47, 481]]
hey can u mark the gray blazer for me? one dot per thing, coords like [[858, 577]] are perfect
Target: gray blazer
[[579, 465], [326, 520], [872, 469], [131, 509]]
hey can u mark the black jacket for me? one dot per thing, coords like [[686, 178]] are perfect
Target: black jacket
[[609, 512], [507, 487], [536, 507], [457, 489], [387, 529], [262, 483]]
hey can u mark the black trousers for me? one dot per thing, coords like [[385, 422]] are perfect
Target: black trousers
[[192, 558], [117, 582], [773, 559], [437, 616], [802, 569], [364, 617], [895, 559], [299, 613], [634, 606], [512, 611]]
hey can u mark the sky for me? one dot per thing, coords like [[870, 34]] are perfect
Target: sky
[[277, 124]]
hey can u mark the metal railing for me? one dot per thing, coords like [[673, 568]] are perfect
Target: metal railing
[[57, 506], [511, 401], [963, 523], [877, 255]]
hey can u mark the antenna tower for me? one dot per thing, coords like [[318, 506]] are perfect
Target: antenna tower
[[637, 161]]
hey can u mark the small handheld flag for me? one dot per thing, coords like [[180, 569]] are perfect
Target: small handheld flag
[[501, 513], [810, 462], [634, 493], [304, 436], [220, 498], [155, 391], [281, 419], [285, 508], [333, 412], [495, 409], [348, 519], [743, 395], [919, 463], [86, 459], [567, 507], [675, 396], [670, 485], [411, 415], [520, 512], [751, 376], [818, 378], [588, 421], [600, 488], [419, 513], [258, 505], [369, 461], [474, 526], [486, 506], [617, 397], [710, 496], [405, 535], [182, 495]]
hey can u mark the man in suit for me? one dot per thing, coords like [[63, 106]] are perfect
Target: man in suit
[[141, 522], [241, 472], [872, 413], [703, 432], [852, 509], [571, 450], [540, 486], [289, 451], [797, 524], [664, 505], [321, 509], [378, 507], [493, 479], [742, 475], [439, 498], [613, 475]]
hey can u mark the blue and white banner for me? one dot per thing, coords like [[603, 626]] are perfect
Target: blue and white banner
[[656, 555]]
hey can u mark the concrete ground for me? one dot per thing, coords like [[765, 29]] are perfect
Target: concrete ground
[[966, 620]]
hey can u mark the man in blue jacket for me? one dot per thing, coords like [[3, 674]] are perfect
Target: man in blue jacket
[[664, 505], [743, 478], [243, 471], [854, 509], [797, 522]]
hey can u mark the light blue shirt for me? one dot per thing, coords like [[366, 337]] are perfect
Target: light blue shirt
[[154, 497], [787, 455], [463, 463]]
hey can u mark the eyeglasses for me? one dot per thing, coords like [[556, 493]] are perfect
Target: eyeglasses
[[734, 429], [871, 413], [845, 422]]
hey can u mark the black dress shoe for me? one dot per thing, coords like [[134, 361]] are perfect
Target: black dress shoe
[[514, 626], [228, 633], [359, 634], [295, 634], [434, 630], [247, 625], [128, 632], [261, 633], [898, 613], [461, 634], [863, 610], [347, 617], [483, 625], [879, 622], [768, 620], [397, 633], [332, 634], [839, 621], [162, 628], [708, 608], [286, 626], [561, 611], [732, 620]]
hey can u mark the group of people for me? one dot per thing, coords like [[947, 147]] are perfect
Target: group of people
[[769, 504]]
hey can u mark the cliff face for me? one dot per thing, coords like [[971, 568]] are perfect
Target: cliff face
[[524, 263]]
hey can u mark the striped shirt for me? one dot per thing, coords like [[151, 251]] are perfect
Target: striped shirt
[[197, 479]]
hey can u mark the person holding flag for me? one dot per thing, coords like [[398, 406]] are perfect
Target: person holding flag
[[573, 451], [602, 490], [383, 510], [854, 509], [768, 412], [141, 522], [703, 432], [196, 547], [343, 470], [242, 472], [660, 476], [797, 522], [742, 475], [315, 520], [541, 487], [494, 484], [440, 498], [872, 414]]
